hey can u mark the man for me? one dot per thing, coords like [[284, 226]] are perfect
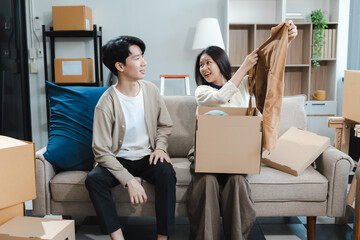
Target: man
[[131, 127]]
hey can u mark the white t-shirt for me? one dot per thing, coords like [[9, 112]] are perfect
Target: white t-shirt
[[136, 143]]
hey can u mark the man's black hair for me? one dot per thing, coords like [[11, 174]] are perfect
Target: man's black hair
[[117, 50]]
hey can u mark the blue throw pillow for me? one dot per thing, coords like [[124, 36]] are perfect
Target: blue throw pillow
[[70, 127]]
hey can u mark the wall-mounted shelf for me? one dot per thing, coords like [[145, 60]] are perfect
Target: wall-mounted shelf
[[300, 76], [95, 35]]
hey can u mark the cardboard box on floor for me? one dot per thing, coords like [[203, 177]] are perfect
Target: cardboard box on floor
[[295, 150], [70, 18], [17, 171], [228, 144], [34, 228], [351, 95], [9, 213], [78, 70]]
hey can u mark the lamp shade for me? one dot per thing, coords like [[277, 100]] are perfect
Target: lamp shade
[[208, 34]]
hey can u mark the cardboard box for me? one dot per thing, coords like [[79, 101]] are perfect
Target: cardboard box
[[351, 95], [9, 213], [74, 70], [17, 171], [295, 150], [70, 18], [33, 228], [228, 144]]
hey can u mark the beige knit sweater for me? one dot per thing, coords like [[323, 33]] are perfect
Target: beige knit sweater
[[227, 96], [109, 128]]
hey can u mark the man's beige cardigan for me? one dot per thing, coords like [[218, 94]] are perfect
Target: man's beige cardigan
[[109, 128]]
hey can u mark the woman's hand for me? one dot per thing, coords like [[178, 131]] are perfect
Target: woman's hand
[[250, 60], [292, 31]]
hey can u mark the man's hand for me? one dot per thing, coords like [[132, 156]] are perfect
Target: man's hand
[[292, 32], [159, 154], [136, 192]]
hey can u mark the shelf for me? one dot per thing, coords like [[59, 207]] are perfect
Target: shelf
[[320, 78], [286, 66], [256, 11], [300, 77], [300, 48], [77, 84], [263, 33], [296, 65], [73, 34], [95, 35], [296, 80], [326, 59], [241, 41]]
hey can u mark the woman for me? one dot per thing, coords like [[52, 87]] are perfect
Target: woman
[[226, 195]]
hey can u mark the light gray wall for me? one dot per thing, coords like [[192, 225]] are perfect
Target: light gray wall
[[354, 36], [166, 26]]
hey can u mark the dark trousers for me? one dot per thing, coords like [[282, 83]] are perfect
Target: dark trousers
[[100, 181]]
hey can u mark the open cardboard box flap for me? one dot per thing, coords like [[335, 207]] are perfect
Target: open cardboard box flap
[[295, 150]]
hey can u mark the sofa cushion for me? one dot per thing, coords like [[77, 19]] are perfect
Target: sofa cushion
[[274, 185], [70, 185], [182, 110], [70, 126], [292, 113]]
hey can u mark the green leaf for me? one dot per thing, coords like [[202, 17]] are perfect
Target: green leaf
[[319, 23]]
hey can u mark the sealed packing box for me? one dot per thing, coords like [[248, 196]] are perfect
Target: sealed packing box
[[228, 144], [74, 70], [351, 95], [9, 213], [34, 228], [295, 150], [17, 171], [70, 18]]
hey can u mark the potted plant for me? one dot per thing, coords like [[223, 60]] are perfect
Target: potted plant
[[317, 18]]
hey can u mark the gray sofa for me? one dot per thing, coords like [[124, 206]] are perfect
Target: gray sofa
[[318, 191]]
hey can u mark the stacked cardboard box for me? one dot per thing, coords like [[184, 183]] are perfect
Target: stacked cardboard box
[[74, 70], [351, 96], [73, 18], [70, 18], [17, 177]]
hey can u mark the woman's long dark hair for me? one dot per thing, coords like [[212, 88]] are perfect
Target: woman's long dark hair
[[220, 58]]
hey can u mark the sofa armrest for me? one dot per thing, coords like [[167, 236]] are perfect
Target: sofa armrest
[[335, 166], [44, 173]]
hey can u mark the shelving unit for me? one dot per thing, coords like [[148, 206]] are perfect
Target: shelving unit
[[300, 76], [95, 35], [249, 27]]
